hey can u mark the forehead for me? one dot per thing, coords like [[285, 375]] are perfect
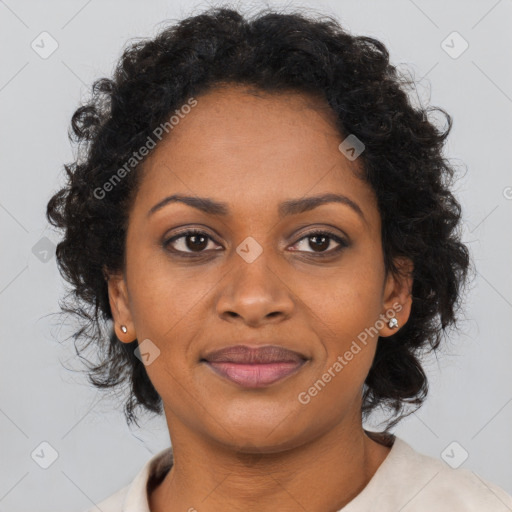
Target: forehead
[[253, 150]]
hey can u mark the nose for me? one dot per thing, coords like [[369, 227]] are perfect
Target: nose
[[254, 293]]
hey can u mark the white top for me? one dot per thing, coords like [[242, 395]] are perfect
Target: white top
[[406, 480]]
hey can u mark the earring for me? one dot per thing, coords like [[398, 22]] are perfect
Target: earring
[[393, 322], [124, 329]]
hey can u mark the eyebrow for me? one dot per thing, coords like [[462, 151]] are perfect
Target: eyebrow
[[289, 207]]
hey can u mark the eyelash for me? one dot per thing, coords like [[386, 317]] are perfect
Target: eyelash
[[343, 243]]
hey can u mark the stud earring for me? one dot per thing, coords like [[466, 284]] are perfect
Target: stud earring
[[124, 329], [393, 322]]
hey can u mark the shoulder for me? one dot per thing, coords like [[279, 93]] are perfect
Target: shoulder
[[464, 490], [433, 485], [113, 503], [134, 497]]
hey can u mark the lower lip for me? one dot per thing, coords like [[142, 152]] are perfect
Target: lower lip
[[255, 375]]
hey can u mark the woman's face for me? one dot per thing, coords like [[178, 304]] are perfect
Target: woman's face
[[256, 278]]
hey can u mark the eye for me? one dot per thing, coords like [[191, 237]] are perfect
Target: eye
[[194, 239], [321, 240]]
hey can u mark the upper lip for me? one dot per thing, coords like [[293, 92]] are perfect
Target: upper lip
[[244, 354]]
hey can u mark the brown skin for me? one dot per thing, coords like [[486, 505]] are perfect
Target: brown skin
[[253, 153]]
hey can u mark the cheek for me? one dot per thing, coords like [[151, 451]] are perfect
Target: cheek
[[345, 308], [344, 315], [164, 294], [165, 305], [348, 300]]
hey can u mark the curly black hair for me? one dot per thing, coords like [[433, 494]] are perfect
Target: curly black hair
[[272, 51]]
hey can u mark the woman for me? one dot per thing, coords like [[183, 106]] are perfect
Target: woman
[[264, 223]]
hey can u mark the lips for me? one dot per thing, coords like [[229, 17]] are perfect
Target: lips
[[247, 355], [254, 367]]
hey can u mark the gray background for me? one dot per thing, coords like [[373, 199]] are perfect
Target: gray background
[[42, 399]]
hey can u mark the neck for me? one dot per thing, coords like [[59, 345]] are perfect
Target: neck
[[324, 474]]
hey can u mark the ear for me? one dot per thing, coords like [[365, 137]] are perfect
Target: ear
[[397, 296], [119, 304]]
